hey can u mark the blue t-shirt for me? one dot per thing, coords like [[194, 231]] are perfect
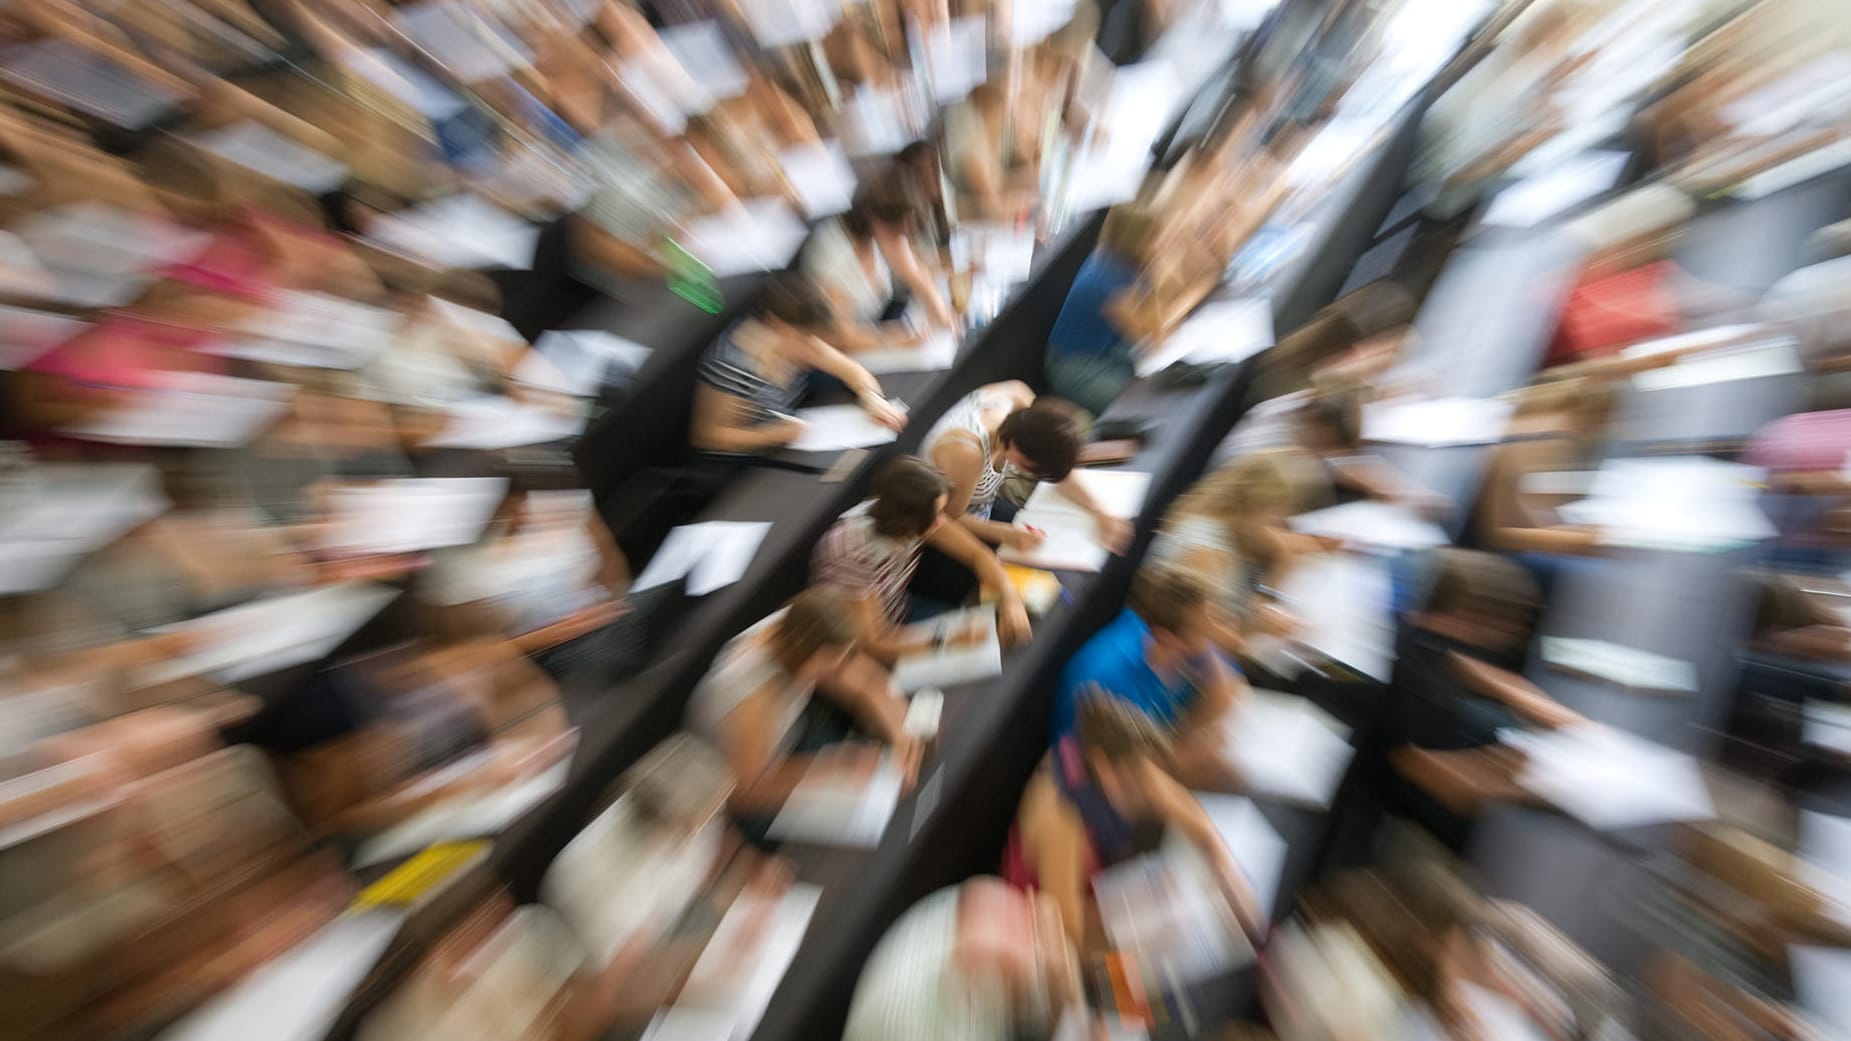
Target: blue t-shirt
[[1114, 661], [1082, 327]]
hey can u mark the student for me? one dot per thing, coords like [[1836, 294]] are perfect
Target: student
[[1003, 426], [1104, 795], [643, 183], [979, 961], [1330, 427], [752, 379], [980, 159], [1090, 360], [1231, 529], [883, 220], [752, 699], [1559, 429], [1457, 679], [1159, 656], [869, 555], [844, 259]]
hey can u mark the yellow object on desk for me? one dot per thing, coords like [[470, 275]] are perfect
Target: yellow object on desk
[[420, 875], [1039, 589]]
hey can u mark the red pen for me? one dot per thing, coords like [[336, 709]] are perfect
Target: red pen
[[1032, 530]]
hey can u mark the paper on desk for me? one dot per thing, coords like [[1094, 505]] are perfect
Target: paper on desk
[[27, 335], [271, 634], [1679, 503], [1330, 151], [1438, 422], [1072, 542], [705, 56], [316, 330], [256, 147], [472, 816], [821, 176], [710, 555], [1031, 21], [1287, 748], [411, 514], [99, 237], [462, 231], [950, 666], [957, 57], [66, 512], [578, 361], [471, 47], [88, 81], [756, 235], [1627, 667], [1225, 331], [834, 428], [1828, 725], [1165, 909], [1003, 254], [1257, 847], [873, 123], [1822, 986], [936, 354], [190, 409], [1825, 845], [782, 23], [1804, 168], [1752, 362], [1347, 613], [1716, 335], [1368, 523], [825, 811], [1534, 200], [730, 1002], [296, 996], [493, 423], [1612, 780]]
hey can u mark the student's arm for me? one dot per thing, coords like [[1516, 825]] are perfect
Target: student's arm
[[864, 688], [960, 459], [1182, 811], [1054, 839], [1512, 525], [905, 264], [606, 252], [762, 782], [1217, 687], [1518, 694], [880, 638], [824, 358], [955, 542], [720, 425]]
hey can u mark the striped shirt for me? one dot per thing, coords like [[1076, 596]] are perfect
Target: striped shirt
[[860, 563], [968, 415], [732, 370], [911, 990]]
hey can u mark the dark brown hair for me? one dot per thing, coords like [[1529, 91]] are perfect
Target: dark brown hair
[[794, 300], [906, 494], [1475, 584], [815, 619], [1118, 731], [1047, 434], [1164, 595]]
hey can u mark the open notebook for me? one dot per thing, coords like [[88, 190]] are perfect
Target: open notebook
[[1072, 542]]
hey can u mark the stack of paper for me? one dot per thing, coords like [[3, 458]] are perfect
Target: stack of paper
[[953, 664], [57, 515], [1610, 779], [710, 555], [411, 514], [1226, 331], [1287, 748], [1686, 503], [1072, 540], [835, 428], [827, 810], [1368, 523], [756, 235], [494, 423], [1625, 667], [271, 634], [1438, 422], [191, 410], [477, 815], [936, 354], [733, 982], [821, 177]]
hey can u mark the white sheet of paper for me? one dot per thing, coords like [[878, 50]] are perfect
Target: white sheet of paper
[[1072, 542], [194, 410], [957, 57], [411, 514], [782, 23], [1003, 254], [297, 995], [408, 83], [756, 235], [463, 231], [273, 633], [1256, 846], [1164, 906], [936, 354], [1102, 177], [1368, 523], [1612, 780], [66, 512], [1536, 199], [743, 997], [1331, 150], [1438, 422], [1822, 985], [582, 360], [1716, 335], [1347, 612], [1796, 171], [492, 424], [1827, 725], [1286, 748], [1754, 362], [1627, 667], [27, 335], [1685, 503], [1226, 331], [835, 428], [464, 817], [306, 326], [825, 812], [462, 41], [89, 82], [820, 173], [1031, 21], [256, 147], [951, 666], [99, 237], [710, 555], [703, 53]]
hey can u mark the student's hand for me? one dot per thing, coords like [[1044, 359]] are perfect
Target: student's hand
[[1555, 715], [1012, 621], [906, 337], [1273, 620], [968, 636], [907, 755], [783, 431], [1114, 533], [1024, 538], [883, 411]]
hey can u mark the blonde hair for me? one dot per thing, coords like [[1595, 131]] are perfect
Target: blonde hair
[[1273, 479]]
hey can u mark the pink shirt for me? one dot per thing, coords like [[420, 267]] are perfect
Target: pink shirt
[[1808, 442]]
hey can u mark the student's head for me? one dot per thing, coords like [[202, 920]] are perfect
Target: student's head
[[1174, 603], [918, 162], [680, 785], [1042, 439], [909, 499], [815, 635], [1131, 231], [1120, 745], [1256, 492], [1487, 599], [890, 201], [793, 303], [1332, 421], [988, 98], [996, 937]]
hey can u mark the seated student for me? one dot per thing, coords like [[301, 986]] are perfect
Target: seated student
[[870, 553], [1159, 656], [1358, 337], [1003, 426], [844, 258], [979, 961], [1557, 429], [753, 701], [994, 180], [755, 375], [1789, 621], [1329, 426], [643, 183], [1090, 357], [1104, 795], [1231, 529], [1457, 678]]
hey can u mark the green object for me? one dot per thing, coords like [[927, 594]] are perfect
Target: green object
[[690, 279]]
